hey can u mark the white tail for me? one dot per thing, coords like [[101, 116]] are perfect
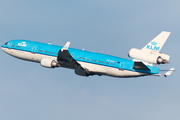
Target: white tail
[[150, 53], [157, 43]]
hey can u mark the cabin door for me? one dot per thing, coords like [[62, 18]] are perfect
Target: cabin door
[[34, 50], [122, 66]]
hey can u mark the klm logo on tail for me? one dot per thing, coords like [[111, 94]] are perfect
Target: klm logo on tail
[[153, 46]]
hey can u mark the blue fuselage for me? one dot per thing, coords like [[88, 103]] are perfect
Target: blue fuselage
[[78, 55]]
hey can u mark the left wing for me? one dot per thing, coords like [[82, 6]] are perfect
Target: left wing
[[66, 60]]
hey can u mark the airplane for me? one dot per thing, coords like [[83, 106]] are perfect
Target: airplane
[[86, 63]]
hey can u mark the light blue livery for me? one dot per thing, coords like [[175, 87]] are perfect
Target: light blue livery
[[86, 63]]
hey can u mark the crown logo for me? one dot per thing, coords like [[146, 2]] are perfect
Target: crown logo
[[154, 43]]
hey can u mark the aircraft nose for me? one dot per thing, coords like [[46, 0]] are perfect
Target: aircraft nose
[[3, 46]]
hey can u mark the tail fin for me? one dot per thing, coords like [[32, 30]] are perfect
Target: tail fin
[[157, 43]]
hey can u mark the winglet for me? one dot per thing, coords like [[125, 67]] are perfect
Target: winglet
[[169, 72], [66, 46]]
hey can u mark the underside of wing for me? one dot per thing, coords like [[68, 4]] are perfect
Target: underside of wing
[[66, 60]]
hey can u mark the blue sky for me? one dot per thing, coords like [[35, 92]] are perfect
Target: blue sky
[[29, 91]]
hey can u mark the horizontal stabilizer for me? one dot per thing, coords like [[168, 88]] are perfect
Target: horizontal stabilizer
[[169, 72], [140, 66]]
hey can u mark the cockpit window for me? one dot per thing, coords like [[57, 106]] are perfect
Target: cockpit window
[[6, 43]]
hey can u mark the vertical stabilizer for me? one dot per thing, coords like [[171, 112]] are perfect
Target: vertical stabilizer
[[157, 43]]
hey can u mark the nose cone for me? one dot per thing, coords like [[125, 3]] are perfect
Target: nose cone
[[4, 46]]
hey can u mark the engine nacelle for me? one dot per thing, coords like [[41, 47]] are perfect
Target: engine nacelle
[[155, 58], [49, 63]]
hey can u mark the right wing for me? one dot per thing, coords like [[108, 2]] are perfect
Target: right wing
[[66, 60]]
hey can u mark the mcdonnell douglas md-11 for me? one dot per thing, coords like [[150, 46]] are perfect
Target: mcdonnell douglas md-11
[[86, 63]]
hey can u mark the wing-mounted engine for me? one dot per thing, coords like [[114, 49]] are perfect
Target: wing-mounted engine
[[49, 63], [153, 57]]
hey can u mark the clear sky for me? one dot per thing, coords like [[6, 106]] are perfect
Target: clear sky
[[31, 92]]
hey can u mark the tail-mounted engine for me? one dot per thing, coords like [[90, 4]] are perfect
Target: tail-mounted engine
[[153, 57]]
